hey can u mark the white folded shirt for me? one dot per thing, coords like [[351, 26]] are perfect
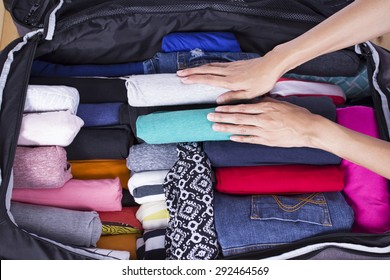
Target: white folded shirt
[[49, 129], [167, 89], [51, 98], [147, 186]]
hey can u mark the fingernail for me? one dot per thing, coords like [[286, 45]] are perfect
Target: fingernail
[[220, 100], [210, 116], [216, 127], [179, 72], [218, 109], [184, 79]]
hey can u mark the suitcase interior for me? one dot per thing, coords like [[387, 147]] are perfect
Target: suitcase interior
[[118, 32]]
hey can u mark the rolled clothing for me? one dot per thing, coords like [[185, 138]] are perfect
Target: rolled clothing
[[178, 126], [91, 90], [103, 114], [127, 198], [135, 112], [354, 87], [69, 227], [147, 91], [101, 169], [153, 215], [206, 41], [229, 154], [271, 220], [41, 98], [106, 142], [193, 125], [365, 191], [150, 246], [280, 179], [47, 69], [146, 157], [125, 217], [120, 242], [41, 167], [87, 195], [49, 129], [147, 186], [290, 87]]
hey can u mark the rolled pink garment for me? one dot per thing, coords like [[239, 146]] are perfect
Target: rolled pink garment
[[365, 191], [41, 167], [97, 195]]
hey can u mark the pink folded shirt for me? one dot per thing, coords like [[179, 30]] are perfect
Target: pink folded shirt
[[365, 191], [41, 167], [292, 87], [97, 195]]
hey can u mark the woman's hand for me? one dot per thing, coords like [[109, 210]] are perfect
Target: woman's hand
[[245, 79], [270, 122]]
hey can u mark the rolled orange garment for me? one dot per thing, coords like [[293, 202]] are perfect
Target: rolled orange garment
[[100, 169], [123, 242]]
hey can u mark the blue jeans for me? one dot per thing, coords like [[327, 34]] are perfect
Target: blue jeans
[[172, 62], [250, 223], [160, 63]]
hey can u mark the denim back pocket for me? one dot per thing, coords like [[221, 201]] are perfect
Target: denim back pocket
[[307, 208]]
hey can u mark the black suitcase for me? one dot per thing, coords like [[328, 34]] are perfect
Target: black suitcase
[[66, 31]]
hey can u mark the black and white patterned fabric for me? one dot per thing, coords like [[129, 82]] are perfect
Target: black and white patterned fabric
[[188, 189]]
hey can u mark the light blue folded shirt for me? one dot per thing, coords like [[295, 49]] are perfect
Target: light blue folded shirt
[[178, 126]]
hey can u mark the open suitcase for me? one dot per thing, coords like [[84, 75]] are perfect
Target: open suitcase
[[119, 31]]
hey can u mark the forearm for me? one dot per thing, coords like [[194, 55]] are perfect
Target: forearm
[[372, 153], [358, 22]]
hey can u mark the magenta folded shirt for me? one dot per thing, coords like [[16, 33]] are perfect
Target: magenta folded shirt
[[365, 191], [97, 195], [41, 167]]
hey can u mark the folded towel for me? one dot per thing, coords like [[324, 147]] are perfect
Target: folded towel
[[65, 226], [51, 98], [41, 167], [147, 90], [98, 195], [49, 129]]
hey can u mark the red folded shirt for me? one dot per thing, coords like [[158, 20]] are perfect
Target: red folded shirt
[[279, 179]]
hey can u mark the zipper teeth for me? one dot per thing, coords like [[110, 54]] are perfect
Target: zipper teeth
[[242, 8]]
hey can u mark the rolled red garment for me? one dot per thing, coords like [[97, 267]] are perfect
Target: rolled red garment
[[279, 179]]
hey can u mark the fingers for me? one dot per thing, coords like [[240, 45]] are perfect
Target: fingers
[[212, 80], [257, 108], [236, 129], [248, 139], [234, 95], [241, 119], [212, 69]]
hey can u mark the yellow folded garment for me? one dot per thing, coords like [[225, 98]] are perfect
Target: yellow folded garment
[[100, 169], [118, 229]]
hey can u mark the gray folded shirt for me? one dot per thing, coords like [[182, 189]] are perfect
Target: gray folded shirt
[[147, 157], [69, 227]]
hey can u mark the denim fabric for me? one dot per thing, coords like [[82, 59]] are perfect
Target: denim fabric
[[250, 223], [171, 62], [159, 63]]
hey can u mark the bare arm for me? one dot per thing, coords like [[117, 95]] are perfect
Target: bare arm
[[360, 21], [276, 123]]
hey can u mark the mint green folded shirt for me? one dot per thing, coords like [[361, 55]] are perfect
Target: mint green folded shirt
[[178, 126]]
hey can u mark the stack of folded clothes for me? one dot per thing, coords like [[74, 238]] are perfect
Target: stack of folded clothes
[[193, 193]]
